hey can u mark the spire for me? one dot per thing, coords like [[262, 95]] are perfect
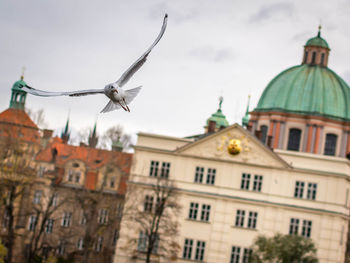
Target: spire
[[93, 139], [319, 31], [221, 99], [245, 119], [66, 133]]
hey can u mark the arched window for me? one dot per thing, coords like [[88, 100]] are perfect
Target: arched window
[[305, 57], [263, 129], [330, 144], [294, 139], [313, 58], [322, 59]]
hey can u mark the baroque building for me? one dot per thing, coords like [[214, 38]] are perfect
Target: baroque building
[[287, 172], [57, 200]]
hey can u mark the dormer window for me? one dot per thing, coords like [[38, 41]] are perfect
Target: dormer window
[[70, 176], [77, 177], [75, 165]]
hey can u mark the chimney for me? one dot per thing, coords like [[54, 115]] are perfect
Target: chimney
[[258, 134], [47, 134], [82, 144], [211, 126], [269, 141], [54, 154]]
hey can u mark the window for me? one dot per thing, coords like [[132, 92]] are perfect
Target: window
[[67, 218], [49, 225], [306, 230], [115, 237], [61, 247], [37, 197], [311, 191], [32, 223], [55, 199], [148, 203], [252, 219], [187, 253], [198, 178], [70, 176], [263, 129], [141, 244], [330, 144], [257, 183], [200, 251], [80, 243], [305, 57], [112, 182], [247, 252], [41, 171], [322, 59], [211, 176], [205, 213], [245, 181], [294, 139], [294, 226], [82, 220], [77, 177], [164, 172], [240, 218], [102, 216], [193, 211], [154, 168], [299, 189], [313, 58], [99, 244], [235, 252]]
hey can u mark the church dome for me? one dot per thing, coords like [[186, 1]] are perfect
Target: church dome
[[317, 41], [308, 90]]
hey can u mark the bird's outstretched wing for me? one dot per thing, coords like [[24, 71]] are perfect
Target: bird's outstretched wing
[[43, 93], [131, 94], [138, 64]]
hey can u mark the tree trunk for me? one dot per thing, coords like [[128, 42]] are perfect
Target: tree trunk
[[10, 228]]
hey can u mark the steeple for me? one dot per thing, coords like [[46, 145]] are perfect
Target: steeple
[[66, 133], [316, 51], [93, 139], [18, 96], [245, 119]]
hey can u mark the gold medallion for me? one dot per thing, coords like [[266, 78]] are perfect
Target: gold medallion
[[234, 147]]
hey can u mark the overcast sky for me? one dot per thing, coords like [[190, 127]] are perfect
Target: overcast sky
[[210, 48]]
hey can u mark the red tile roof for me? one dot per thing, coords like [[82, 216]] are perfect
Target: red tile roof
[[17, 117], [93, 159], [17, 124]]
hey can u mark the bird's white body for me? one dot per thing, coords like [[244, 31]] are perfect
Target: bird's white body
[[119, 98]]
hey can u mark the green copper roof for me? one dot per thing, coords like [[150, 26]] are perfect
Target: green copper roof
[[317, 41], [18, 85], [309, 90], [219, 118]]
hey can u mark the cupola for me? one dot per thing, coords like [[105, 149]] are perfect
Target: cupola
[[217, 121], [316, 51]]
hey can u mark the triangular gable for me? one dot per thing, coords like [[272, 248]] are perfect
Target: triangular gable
[[216, 146]]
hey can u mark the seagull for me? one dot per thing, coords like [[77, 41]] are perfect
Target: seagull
[[119, 98]]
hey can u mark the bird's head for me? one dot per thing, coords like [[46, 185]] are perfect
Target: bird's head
[[111, 88]]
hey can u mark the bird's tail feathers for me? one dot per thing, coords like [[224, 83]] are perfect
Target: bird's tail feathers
[[111, 106], [131, 94]]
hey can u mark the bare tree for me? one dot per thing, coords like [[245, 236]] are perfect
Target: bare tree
[[16, 180], [152, 209], [114, 135], [38, 117]]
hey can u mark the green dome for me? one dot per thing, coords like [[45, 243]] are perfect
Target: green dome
[[219, 118], [317, 41], [309, 90], [18, 85]]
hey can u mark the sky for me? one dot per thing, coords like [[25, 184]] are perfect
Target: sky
[[228, 48]]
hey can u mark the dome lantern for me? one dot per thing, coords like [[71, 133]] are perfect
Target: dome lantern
[[316, 51]]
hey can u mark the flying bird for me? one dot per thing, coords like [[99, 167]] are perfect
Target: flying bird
[[119, 98]]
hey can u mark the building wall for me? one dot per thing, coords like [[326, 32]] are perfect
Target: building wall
[[275, 204]]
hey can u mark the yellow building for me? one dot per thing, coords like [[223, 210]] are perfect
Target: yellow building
[[286, 173]]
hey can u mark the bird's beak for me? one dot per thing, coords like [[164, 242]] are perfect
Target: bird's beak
[[115, 90]]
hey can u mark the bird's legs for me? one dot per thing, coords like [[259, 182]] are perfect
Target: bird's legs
[[126, 105], [123, 107]]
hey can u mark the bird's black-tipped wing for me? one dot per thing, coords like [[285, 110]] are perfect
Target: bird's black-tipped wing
[[43, 93], [138, 64]]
